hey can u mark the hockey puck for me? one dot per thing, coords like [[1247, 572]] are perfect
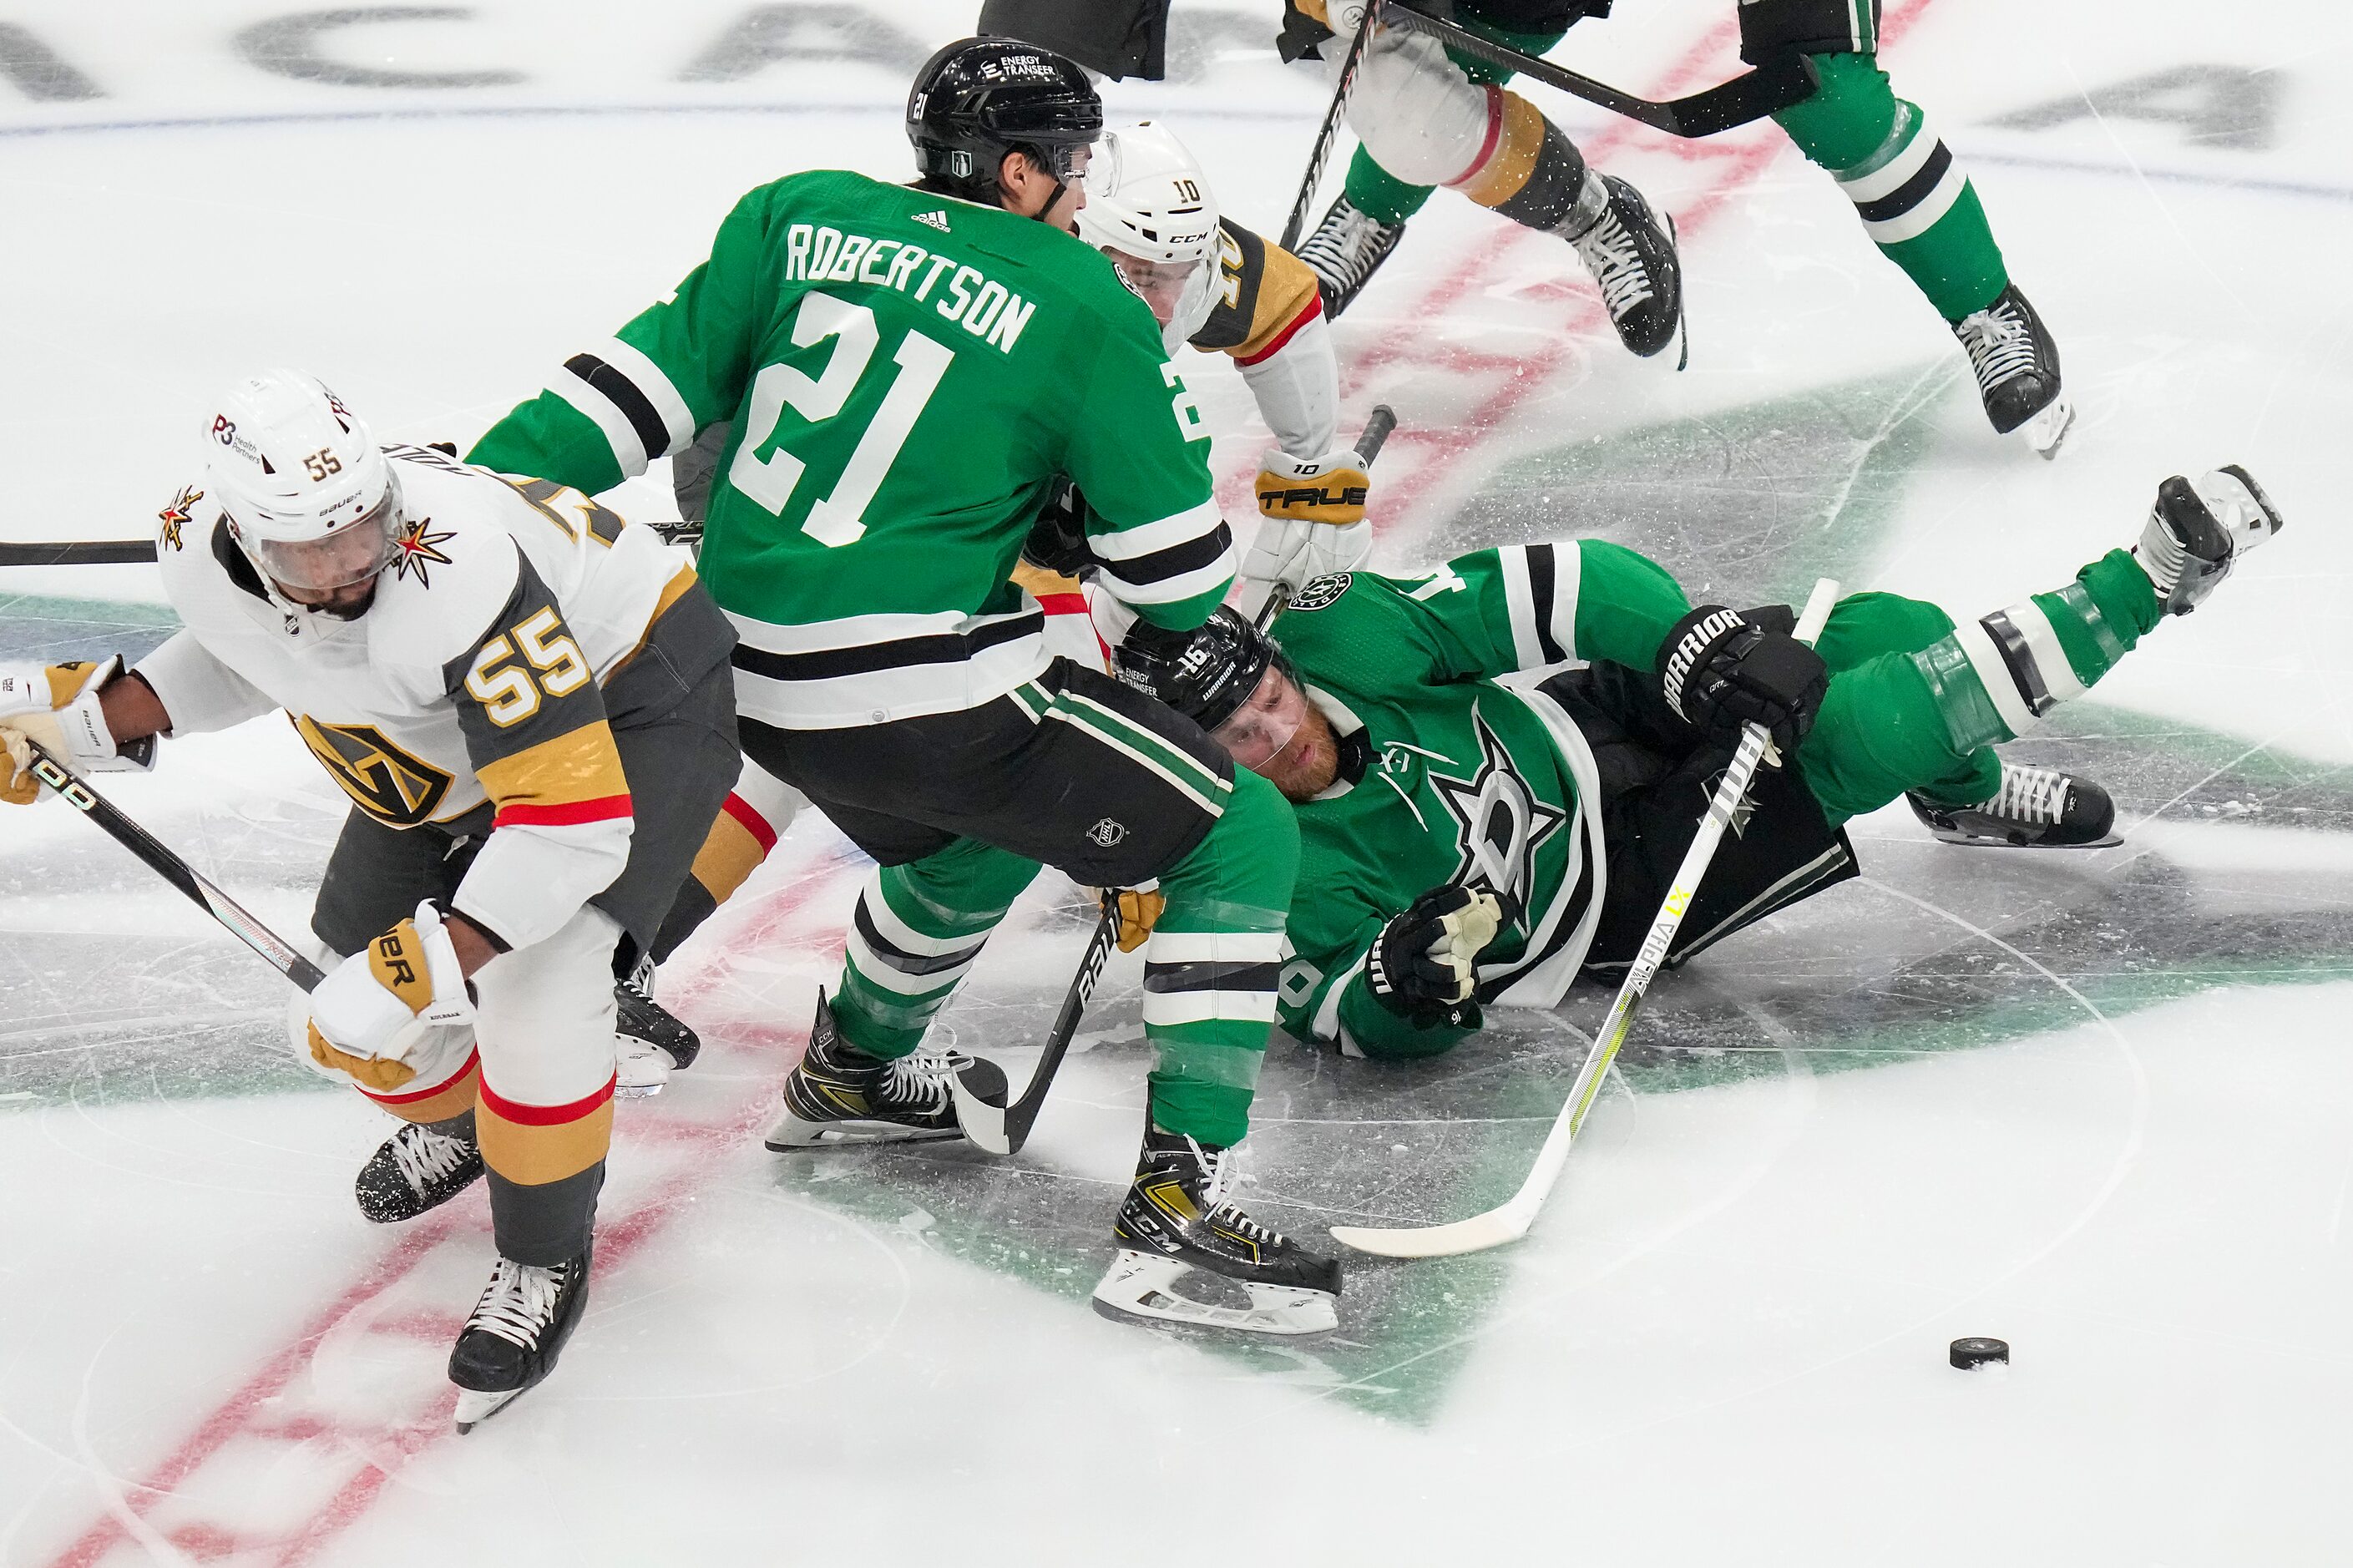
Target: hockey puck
[[1975, 1352]]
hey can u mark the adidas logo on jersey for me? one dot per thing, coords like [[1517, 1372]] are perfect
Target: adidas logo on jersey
[[937, 217]]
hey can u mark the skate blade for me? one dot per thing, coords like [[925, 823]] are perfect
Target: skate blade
[[1979, 841], [475, 1407], [1139, 1288], [640, 1070], [2047, 430], [793, 1135]]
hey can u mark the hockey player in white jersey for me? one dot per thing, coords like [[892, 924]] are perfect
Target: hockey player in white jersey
[[489, 666]]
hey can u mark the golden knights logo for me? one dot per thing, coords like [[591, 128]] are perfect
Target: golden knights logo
[[1498, 820], [418, 549], [175, 516], [398, 788]]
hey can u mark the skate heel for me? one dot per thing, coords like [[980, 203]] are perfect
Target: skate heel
[[2048, 431]]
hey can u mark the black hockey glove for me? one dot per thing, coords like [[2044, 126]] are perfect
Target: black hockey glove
[[1058, 538], [1722, 669], [1420, 964]]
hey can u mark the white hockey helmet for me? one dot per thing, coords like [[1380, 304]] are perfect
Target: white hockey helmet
[[308, 495], [1150, 206]]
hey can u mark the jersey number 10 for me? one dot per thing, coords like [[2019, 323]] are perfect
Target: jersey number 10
[[841, 518]]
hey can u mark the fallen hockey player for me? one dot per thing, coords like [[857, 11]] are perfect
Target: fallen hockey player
[[1478, 823]]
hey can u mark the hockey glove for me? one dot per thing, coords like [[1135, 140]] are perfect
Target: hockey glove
[[1422, 965], [1136, 914], [1723, 669], [2195, 533], [1314, 523], [1058, 538], [56, 708], [374, 1007]]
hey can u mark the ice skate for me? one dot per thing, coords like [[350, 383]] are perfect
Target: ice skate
[[1177, 1220], [2016, 367], [1631, 255], [414, 1169], [2036, 808], [2195, 533], [517, 1331], [1346, 248], [840, 1096], [648, 1043]]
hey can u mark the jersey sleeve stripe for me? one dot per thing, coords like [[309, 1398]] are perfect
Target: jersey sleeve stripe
[[1313, 309], [1520, 606], [579, 766], [623, 434], [1326, 1023], [1541, 575], [1147, 538], [1210, 579], [570, 813], [649, 382], [1569, 579], [1204, 550], [762, 830]]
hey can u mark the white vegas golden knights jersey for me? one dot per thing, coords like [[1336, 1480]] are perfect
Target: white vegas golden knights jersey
[[468, 696]]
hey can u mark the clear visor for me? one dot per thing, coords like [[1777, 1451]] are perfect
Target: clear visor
[[1068, 160], [1159, 284], [1255, 734], [353, 554]]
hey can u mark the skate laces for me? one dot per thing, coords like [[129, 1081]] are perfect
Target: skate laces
[[1609, 253], [520, 1302], [1215, 1205], [920, 1079], [1350, 248], [1999, 342], [2030, 794], [424, 1156]]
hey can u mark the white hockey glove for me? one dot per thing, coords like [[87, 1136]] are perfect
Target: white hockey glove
[[375, 1007], [56, 708], [1312, 522]]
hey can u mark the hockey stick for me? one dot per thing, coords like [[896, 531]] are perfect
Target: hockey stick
[[1511, 1222], [1002, 1129], [77, 552], [1321, 152], [1369, 442], [1786, 79], [167, 864]]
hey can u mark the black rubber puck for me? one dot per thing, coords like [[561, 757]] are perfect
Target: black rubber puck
[[1977, 1353]]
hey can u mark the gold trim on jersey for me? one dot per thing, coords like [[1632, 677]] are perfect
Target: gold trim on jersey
[[577, 766], [1513, 161], [1283, 290], [398, 788], [672, 591]]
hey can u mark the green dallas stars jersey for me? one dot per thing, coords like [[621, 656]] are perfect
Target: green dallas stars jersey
[[904, 374], [1471, 775]]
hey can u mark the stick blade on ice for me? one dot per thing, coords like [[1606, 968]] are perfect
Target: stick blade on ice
[[982, 1123], [1477, 1234]]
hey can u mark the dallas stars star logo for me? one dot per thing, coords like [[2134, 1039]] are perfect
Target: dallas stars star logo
[[175, 516], [1498, 821], [420, 549]]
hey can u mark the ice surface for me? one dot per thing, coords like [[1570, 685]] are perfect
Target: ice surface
[[2093, 1104]]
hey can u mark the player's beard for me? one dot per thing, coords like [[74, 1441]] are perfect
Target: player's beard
[[1308, 762]]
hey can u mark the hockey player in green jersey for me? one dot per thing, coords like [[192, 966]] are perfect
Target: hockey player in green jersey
[[906, 370], [1479, 823]]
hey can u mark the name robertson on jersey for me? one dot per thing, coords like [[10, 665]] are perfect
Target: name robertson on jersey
[[974, 301]]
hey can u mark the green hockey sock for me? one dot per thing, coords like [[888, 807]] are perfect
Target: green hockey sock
[[1994, 678], [1210, 969], [1374, 191], [915, 935], [1916, 205]]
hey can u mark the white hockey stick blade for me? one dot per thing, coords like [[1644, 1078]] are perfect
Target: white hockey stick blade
[[982, 1123], [1476, 1233]]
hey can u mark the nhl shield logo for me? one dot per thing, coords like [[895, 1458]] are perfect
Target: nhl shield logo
[[1106, 833]]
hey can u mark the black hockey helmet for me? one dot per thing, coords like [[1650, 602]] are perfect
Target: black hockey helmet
[[1205, 674], [979, 99]]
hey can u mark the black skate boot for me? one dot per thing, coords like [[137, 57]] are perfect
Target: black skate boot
[[2016, 367], [518, 1329], [1177, 1219], [2195, 533], [1346, 248], [840, 1095], [2036, 808], [414, 1169], [1632, 256], [648, 1043]]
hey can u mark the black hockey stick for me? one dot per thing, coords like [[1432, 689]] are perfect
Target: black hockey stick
[[1002, 1129], [167, 864], [1369, 442], [77, 552], [1752, 95], [1321, 154]]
